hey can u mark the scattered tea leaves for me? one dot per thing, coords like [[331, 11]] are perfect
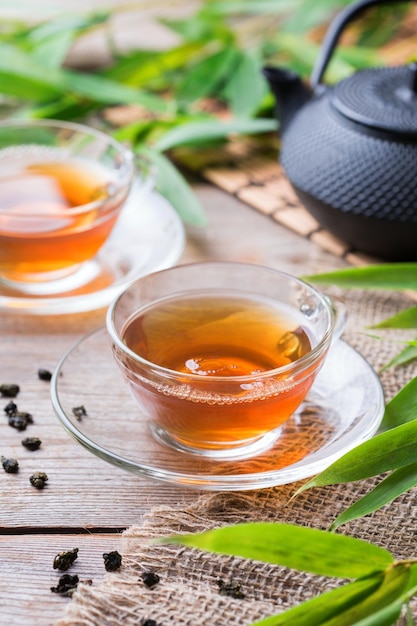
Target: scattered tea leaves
[[38, 480], [404, 319], [10, 408], [31, 443], [20, 420], [150, 579], [112, 560], [408, 354], [304, 549], [44, 374], [9, 390], [64, 560], [79, 412], [11, 466], [231, 589], [67, 584]]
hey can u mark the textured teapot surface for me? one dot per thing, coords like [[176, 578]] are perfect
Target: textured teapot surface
[[350, 151]]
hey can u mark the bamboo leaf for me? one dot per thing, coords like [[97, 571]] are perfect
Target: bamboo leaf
[[269, 7], [105, 91], [196, 133], [404, 319], [21, 77], [397, 483], [173, 186], [317, 611], [402, 408], [390, 450], [406, 355], [204, 78], [247, 87], [304, 549], [142, 67], [373, 601], [394, 276]]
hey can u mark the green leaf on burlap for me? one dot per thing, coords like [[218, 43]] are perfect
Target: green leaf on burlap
[[305, 549], [397, 482], [404, 319], [371, 601], [384, 452], [408, 354], [402, 408]]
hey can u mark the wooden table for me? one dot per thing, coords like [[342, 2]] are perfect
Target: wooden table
[[87, 502]]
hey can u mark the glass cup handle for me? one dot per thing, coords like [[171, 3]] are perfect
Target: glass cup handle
[[340, 316]]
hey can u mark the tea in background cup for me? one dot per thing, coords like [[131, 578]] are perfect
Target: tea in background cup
[[62, 187], [219, 355]]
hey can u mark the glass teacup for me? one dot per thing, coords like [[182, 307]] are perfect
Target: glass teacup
[[218, 355], [62, 187]]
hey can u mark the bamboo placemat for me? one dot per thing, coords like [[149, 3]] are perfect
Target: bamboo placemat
[[249, 169]]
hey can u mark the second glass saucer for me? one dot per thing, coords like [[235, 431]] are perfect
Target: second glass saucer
[[149, 236], [344, 408]]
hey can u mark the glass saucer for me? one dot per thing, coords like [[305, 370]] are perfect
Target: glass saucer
[[148, 236], [344, 407]]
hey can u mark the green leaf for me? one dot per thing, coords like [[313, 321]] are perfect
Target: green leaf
[[402, 408], [141, 67], [246, 87], [21, 77], [105, 91], [396, 276], [402, 358], [389, 450], [196, 133], [373, 601], [173, 186], [205, 77], [304, 549], [398, 482], [269, 7], [404, 319], [317, 611]]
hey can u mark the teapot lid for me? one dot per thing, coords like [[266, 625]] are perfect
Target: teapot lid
[[382, 98]]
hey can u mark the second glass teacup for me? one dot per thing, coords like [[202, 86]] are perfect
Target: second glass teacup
[[218, 355], [62, 187]]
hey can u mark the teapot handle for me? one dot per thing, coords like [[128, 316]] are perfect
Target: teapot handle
[[333, 34]]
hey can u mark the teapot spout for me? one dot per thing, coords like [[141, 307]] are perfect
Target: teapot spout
[[289, 91]]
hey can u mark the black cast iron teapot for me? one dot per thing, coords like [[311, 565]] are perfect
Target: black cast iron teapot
[[350, 150]]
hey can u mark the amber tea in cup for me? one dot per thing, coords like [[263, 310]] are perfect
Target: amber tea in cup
[[220, 355], [62, 187]]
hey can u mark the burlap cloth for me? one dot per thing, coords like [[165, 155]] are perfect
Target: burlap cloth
[[188, 592]]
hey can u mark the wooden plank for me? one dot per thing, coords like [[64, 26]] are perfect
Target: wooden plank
[[298, 220], [27, 574]]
